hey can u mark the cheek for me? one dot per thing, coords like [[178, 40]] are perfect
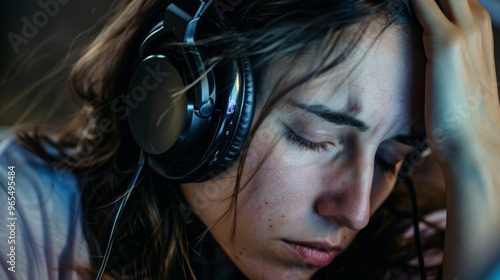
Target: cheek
[[279, 194], [263, 143], [265, 203]]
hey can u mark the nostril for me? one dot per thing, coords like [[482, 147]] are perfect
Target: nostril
[[326, 206]]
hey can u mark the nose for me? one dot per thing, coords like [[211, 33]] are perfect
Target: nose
[[345, 195]]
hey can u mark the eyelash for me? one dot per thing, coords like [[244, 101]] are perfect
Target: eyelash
[[292, 137], [318, 147]]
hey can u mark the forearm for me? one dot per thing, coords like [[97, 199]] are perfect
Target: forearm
[[472, 239]]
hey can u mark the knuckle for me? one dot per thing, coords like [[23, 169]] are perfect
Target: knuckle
[[474, 33], [486, 24], [482, 16]]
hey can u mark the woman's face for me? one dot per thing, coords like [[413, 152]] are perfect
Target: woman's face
[[319, 162]]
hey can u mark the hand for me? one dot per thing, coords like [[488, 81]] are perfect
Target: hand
[[462, 115], [462, 109]]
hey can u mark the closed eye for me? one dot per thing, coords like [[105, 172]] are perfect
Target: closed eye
[[303, 143]]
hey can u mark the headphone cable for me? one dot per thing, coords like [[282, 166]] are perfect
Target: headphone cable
[[119, 212], [423, 150], [203, 7], [416, 228]]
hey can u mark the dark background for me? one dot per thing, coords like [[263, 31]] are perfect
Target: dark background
[[41, 54]]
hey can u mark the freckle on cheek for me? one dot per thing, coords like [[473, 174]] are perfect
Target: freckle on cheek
[[266, 202]]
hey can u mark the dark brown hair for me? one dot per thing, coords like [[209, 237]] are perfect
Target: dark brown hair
[[98, 148]]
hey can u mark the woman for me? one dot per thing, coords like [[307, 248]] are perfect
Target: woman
[[339, 89]]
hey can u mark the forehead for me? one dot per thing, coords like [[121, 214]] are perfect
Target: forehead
[[381, 80], [381, 60]]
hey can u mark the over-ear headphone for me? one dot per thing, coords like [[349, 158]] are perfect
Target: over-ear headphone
[[189, 117]]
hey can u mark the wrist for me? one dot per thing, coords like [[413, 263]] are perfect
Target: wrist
[[473, 211]]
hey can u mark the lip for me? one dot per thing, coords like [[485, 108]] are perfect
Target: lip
[[318, 254]]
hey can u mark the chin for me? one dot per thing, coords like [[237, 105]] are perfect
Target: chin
[[260, 269]]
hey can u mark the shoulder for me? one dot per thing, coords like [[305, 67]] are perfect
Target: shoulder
[[37, 181], [44, 233]]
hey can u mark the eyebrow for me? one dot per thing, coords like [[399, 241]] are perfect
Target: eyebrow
[[340, 118], [328, 115]]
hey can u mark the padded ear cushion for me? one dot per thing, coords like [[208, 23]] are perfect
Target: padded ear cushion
[[247, 112]]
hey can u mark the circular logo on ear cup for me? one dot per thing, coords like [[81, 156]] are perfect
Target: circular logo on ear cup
[[157, 104]]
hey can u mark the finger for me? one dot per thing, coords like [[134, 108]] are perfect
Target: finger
[[430, 16], [483, 23], [481, 16], [459, 12]]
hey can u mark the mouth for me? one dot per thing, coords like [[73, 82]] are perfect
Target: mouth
[[317, 254]]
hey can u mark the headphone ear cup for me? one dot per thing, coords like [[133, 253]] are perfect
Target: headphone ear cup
[[214, 148], [192, 121], [156, 113], [245, 123]]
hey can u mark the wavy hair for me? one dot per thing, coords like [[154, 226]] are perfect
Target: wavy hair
[[97, 146]]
